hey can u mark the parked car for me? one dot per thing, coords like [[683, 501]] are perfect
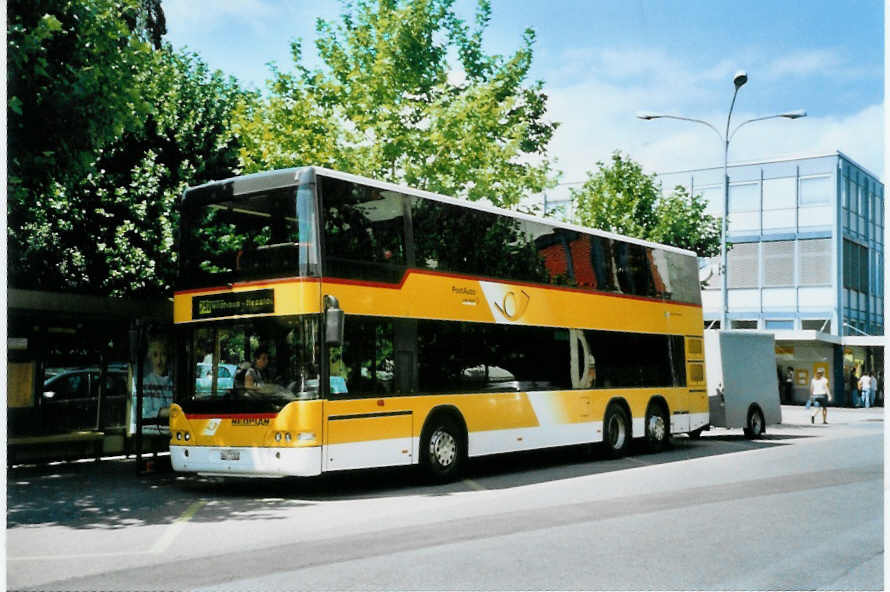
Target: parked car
[[225, 378], [70, 398]]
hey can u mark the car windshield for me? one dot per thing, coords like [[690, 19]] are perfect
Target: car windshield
[[254, 364]]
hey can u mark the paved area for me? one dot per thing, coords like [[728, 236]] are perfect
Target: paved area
[[800, 415], [532, 521]]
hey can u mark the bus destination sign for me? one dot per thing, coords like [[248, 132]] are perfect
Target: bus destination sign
[[233, 304]]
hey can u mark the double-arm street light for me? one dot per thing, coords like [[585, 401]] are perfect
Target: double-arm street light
[[738, 80]]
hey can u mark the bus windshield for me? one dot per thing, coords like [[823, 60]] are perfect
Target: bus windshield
[[252, 365], [248, 237]]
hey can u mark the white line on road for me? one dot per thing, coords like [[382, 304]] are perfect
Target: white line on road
[[159, 547], [473, 485], [173, 530]]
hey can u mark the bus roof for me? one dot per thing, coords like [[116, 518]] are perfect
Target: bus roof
[[279, 178]]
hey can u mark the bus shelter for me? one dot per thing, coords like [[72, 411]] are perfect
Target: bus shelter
[[79, 368]]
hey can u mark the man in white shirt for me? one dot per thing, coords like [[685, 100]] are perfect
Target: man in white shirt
[[865, 389], [820, 395]]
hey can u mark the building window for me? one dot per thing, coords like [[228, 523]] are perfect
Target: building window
[[816, 190], [855, 266], [713, 196], [823, 325], [744, 324], [742, 266], [815, 262], [779, 194], [779, 204], [778, 263], [779, 325], [744, 197]]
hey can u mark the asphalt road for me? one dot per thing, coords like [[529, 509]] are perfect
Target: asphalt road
[[801, 509]]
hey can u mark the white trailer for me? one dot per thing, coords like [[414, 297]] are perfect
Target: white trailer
[[743, 389]]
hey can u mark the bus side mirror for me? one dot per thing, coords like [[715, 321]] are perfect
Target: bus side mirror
[[334, 321]]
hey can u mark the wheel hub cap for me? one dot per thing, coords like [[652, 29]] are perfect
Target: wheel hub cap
[[657, 428], [443, 448]]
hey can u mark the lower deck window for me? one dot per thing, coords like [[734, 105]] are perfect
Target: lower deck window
[[404, 356]]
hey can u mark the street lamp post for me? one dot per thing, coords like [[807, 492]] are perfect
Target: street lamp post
[[740, 78]]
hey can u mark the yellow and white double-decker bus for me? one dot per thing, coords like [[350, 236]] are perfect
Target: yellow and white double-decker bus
[[327, 321]]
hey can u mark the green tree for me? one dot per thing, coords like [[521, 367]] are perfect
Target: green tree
[[130, 197], [682, 222], [620, 197], [74, 71], [388, 104], [104, 133]]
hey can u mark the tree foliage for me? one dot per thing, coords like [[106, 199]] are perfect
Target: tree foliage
[[104, 134], [388, 104], [73, 70], [620, 197]]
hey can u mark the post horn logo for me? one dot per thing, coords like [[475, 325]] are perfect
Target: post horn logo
[[513, 306]]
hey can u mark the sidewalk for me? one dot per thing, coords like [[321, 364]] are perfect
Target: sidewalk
[[798, 414]]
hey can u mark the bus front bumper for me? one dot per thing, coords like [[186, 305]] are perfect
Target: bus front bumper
[[247, 461]]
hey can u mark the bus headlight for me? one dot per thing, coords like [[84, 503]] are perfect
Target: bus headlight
[[179, 435], [187, 436], [278, 436]]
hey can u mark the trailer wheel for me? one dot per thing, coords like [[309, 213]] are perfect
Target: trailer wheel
[[755, 425]]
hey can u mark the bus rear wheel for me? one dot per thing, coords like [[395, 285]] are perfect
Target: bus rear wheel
[[442, 449], [658, 428], [616, 431]]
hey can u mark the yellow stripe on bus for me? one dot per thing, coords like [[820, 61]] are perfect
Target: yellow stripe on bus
[[427, 295]]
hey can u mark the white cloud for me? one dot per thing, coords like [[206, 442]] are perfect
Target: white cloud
[[597, 115], [820, 62]]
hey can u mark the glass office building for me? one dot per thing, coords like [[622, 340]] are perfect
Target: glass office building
[[806, 261]]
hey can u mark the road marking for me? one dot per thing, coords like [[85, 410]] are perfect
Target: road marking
[[473, 485], [174, 529], [637, 461], [159, 547]]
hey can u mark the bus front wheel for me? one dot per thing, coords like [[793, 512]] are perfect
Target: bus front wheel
[[442, 449]]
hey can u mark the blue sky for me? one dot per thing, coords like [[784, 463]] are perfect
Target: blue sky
[[602, 61]]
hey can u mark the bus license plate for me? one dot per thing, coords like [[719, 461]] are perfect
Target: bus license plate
[[229, 455]]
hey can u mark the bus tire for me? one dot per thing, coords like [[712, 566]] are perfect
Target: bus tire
[[657, 427], [443, 449], [755, 426], [616, 431]]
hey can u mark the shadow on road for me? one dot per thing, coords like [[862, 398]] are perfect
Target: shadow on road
[[112, 495]]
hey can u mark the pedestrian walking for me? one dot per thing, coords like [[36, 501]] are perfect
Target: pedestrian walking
[[873, 389], [865, 388], [820, 395]]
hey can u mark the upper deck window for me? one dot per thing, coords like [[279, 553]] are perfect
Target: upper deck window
[[255, 236], [364, 230]]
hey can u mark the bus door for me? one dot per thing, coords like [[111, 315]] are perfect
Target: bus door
[[366, 426]]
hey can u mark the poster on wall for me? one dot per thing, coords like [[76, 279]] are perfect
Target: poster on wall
[[157, 389]]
